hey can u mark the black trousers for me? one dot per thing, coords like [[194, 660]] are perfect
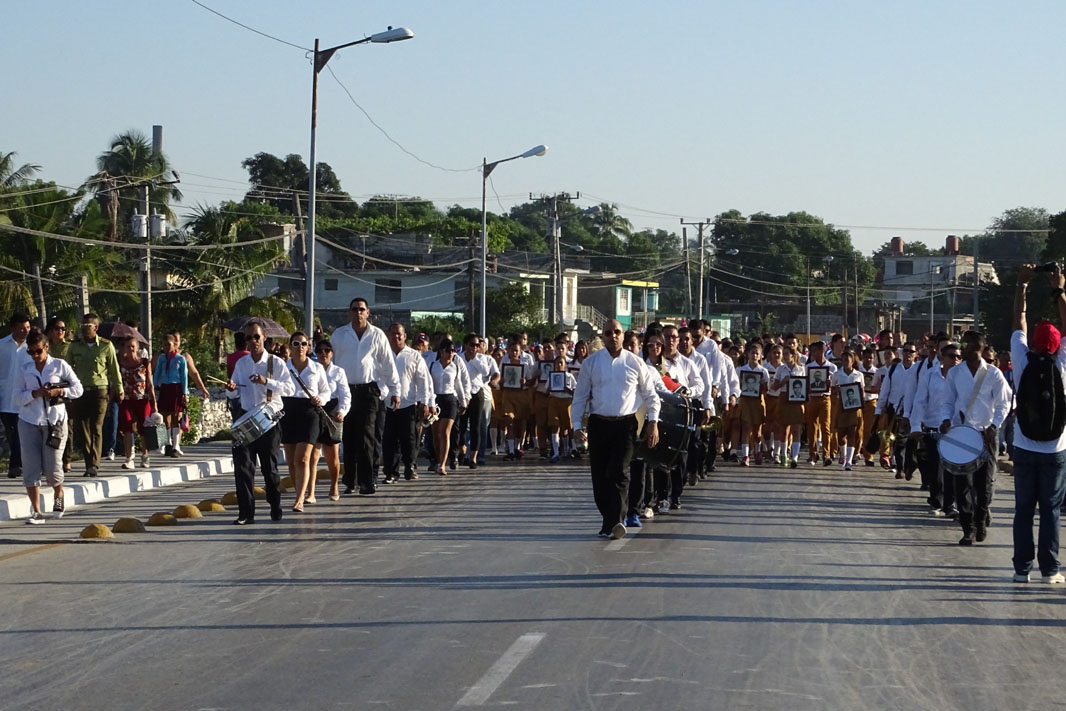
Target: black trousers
[[711, 453], [398, 442], [610, 452], [637, 470], [973, 496], [929, 467], [360, 436], [265, 451], [470, 422], [379, 436], [10, 421], [670, 484]]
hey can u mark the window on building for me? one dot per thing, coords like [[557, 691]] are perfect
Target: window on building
[[904, 268], [331, 284], [387, 291], [623, 301]]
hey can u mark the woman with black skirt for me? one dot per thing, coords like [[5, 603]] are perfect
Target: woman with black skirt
[[451, 398], [340, 401], [300, 424]]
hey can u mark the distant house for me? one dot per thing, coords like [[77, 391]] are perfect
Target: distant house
[[606, 296], [910, 277]]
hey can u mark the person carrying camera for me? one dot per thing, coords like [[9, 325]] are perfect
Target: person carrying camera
[[40, 390], [1039, 430]]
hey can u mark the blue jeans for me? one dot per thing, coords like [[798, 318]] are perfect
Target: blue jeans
[[1038, 479], [110, 428]]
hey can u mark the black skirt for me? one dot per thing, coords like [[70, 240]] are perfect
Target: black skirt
[[449, 407], [331, 409], [300, 422]]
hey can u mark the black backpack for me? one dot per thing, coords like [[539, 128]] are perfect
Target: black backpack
[[1041, 405]]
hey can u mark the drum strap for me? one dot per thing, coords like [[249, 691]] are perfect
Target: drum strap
[[270, 374], [976, 391]]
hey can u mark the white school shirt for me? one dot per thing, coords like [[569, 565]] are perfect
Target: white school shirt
[[841, 378], [893, 387], [338, 388], [252, 395], [933, 390], [784, 372], [529, 367], [704, 369], [1019, 349], [36, 411], [415, 384], [990, 407], [314, 379], [481, 369], [730, 380], [367, 359], [868, 396], [615, 386], [763, 373], [914, 382], [571, 385], [12, 358], [774, 389], [811, 364], [448, 380], [710, 351]]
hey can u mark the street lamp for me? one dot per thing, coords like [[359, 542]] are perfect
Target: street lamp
[[321, 58], [486, 170]]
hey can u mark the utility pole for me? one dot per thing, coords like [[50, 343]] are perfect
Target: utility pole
[[699, 291], [146, 272], [857, 324], [299, 247], [688, 272], [552, 203], [844, 301], [38, 295], [471, 324], [83, 294], [976, 288]]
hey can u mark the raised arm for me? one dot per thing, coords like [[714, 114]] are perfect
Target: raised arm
[[1025, 274]]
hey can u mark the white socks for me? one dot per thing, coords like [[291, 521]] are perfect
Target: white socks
[[795, 450], [744, 450], [175, 438], [494, 438], [849, 454], [555, 444]]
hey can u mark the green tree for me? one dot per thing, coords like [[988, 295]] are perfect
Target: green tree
[[275, 181], [12, 177], [608, 224]]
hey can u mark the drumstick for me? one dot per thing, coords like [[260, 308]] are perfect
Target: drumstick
[[217, 380]]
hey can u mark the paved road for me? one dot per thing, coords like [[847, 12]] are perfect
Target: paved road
[[770, 589]]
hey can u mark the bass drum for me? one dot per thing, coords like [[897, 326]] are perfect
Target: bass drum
[[962, 450], [676, 419]]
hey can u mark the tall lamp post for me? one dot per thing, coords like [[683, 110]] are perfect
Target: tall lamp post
[[486, 170], [321, 58]]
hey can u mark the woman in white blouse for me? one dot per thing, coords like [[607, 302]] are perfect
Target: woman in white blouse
[[300, 426], [42, 385], [450, 396], [340, 401]]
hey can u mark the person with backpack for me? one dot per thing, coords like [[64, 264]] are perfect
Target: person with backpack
[[1039, 432]]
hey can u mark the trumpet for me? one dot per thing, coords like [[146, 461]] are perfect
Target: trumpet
[[886, 436], [431, 416], [715, 425]]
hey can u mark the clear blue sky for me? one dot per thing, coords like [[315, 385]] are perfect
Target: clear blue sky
[[916, 114]]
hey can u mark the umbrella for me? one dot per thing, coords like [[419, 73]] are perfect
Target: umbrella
[[117, 330], [271, 328]]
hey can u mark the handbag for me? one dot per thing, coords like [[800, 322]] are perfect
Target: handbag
[[332, 431]]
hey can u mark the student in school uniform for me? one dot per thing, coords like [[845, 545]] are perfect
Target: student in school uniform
[[818, 409], [791, 412], [847, 419], [752, 406], [558, 420], [773, 433], [869, 403], [514, 402]]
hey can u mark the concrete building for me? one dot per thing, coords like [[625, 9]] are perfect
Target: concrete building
[[910, 277]]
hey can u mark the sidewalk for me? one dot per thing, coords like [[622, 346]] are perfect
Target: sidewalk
[[200, 462]]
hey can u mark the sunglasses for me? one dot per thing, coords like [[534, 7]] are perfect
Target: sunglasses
[[953, 356], [255, 337], [617, 332], [60, 328], [360, 308], [37, 351], [299, 344]]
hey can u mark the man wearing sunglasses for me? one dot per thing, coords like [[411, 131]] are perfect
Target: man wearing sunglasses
[[924, 418], [12, 358], [363, 351]]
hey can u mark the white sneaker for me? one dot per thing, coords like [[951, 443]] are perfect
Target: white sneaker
[[649, 513], [1019, 578], [178, 452], [111, 455], [128, 464], [618, 531], [35, 518], [1054, 579], [144, 460]]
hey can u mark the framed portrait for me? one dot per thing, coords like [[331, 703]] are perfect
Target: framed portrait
[[797, 388], [750, 384], [818, 380], [851, 396], [557, 381], [867, 380], [573, 369], [546, 367], [512, 375]]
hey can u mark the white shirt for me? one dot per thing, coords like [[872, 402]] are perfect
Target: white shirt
[[529, 366], [893, 387], [873, 370], [571, 384], [36, 411], [1019, 349], [933, 390], [416, 387], [784, 372], [314, 379], [704, 369], [774, 389], [764, 377], [448, 380], [684, 372], [914, 381], [338, 388], [252, 395], [829, 377], [614, 387], [841, 378], [465, 391], [730, 386], [481, 368], [710, 351], [367, 359], [12, 358], [991, 405]]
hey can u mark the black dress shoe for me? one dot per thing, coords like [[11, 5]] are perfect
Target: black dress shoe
[[981, 534], [967, 539], [367, 491], [243, 521], [348, 490], [275, 514]]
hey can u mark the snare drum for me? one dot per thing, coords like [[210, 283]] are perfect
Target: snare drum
[[962, 450], [254, 424], [677, 415]]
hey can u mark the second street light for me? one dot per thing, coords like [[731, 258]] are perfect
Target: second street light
[[486, 170], [321, 58]]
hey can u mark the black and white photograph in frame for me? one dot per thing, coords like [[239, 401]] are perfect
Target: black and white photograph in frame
[[512, 376], [546, 367], [818, 377], [851, 396], [797, 388], [557, 381], [750, 384], [867, 380]]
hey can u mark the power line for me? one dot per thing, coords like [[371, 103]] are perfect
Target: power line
[[250, 29], [135, 245]]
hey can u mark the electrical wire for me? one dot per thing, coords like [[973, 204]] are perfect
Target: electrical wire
[[141, 245], [379, 260], [250, 29]]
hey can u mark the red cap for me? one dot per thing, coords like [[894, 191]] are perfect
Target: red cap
[[1046, 338]]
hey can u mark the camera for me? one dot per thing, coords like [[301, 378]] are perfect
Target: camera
[[1049, 267], [59, 400]]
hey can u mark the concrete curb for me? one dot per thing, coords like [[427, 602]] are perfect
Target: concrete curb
[[79, 491]]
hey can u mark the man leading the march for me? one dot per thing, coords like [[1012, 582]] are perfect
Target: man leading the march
[[1039, 431]]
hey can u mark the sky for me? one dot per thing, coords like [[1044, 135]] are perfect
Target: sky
[[912, 118]]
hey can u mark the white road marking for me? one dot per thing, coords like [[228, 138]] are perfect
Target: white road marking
[[480, 692]]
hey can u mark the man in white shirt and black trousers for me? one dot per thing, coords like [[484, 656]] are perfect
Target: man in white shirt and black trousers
[[416, 395], [611, 386], [363, 351], [1039, 432], [985, 411], [258, 378]]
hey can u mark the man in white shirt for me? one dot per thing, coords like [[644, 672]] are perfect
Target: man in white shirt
[[924, 418], [891, 404], [484, 374], [1039, 433], [401, 424], [683, 371], [913, 386], [258, 379], [12, 358], [701, 438], [611, 385], [362, 349], [977, 395]]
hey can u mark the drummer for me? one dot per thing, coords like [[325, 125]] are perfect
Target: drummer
[[976, 395], [684, 372], [301, 425], [260, 381], [925, 421]]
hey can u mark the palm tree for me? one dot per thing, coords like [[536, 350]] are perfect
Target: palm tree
[[609, 225], [123, 169], [10, 176]]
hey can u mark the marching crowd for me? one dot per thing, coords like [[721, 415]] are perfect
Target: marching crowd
[[654, 411]]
